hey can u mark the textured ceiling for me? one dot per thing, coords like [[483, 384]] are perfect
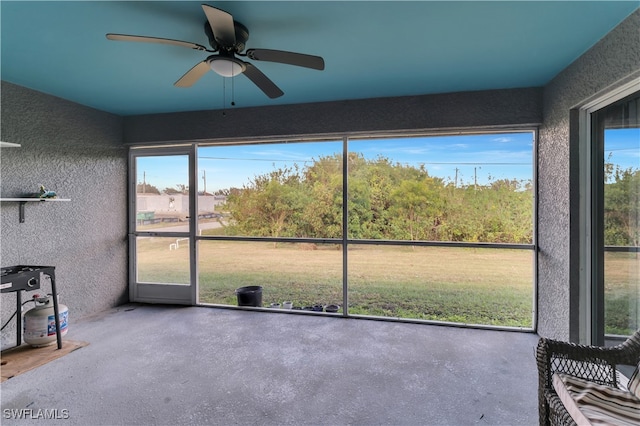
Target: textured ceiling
[[371, 48]]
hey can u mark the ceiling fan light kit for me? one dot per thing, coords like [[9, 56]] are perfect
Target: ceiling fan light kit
[[228, 38], [227, 67]]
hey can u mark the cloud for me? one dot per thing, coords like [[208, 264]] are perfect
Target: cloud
[[502, 139]]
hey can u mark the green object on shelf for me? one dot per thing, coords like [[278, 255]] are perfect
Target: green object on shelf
[[46, 194], [42, 193]]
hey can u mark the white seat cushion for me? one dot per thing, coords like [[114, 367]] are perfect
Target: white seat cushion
[[589, 403], [634, 382]]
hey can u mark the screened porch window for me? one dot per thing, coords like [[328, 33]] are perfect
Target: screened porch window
[[421, 228]]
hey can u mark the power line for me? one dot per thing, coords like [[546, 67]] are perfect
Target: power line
[[453, 163], [621, 149], [256, 159]]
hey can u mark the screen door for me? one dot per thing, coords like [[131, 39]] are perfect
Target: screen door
[[161, 226]]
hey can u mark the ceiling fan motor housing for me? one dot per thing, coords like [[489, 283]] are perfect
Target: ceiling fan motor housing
[[242, 35]]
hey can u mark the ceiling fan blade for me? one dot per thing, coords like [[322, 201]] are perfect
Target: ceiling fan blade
[[193, 74], [291, 58], [262, 81], [222, 25], [145, 39]]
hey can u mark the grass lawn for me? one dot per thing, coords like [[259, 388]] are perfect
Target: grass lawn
[[622, 293], [474, 286], [462, 285]]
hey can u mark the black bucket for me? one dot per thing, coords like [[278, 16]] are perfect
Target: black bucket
[[249, 296]]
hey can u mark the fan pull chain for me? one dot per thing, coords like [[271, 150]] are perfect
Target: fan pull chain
[[224, 93], [233, 91]]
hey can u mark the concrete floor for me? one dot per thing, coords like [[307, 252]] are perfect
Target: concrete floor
[[197, 365]]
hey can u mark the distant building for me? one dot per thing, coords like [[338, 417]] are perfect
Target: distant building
[[177, 204]]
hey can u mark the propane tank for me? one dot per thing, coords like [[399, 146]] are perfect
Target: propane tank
[[40, 324]]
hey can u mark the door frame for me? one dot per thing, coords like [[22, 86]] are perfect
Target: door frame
[[162, 293], [591, 296]]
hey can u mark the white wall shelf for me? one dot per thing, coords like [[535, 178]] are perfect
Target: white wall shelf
[[25, 200], [9, 145]]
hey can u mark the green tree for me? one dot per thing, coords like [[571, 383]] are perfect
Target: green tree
[[386, 201], [418, 208], [179, 189], [622, 207], [271, 205], [323, 211], [145, 188]]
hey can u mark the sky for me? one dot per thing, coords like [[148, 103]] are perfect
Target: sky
[[464, 159], [622, 147]]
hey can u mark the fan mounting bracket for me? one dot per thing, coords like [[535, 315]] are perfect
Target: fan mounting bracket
[[242, 35]]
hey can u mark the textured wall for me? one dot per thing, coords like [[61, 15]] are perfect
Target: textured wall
[[77, 152], [445, 111], [609, 62]]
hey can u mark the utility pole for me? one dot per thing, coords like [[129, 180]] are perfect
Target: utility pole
[[455, 183], [144, 182], [204, 178], [475, 179]]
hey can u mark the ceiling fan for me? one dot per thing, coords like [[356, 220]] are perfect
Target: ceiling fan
[[227, 39]]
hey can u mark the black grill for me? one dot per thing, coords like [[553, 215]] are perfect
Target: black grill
[[23, 277], [28, 277]]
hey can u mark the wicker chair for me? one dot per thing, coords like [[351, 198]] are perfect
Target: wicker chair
[[593, 363]]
